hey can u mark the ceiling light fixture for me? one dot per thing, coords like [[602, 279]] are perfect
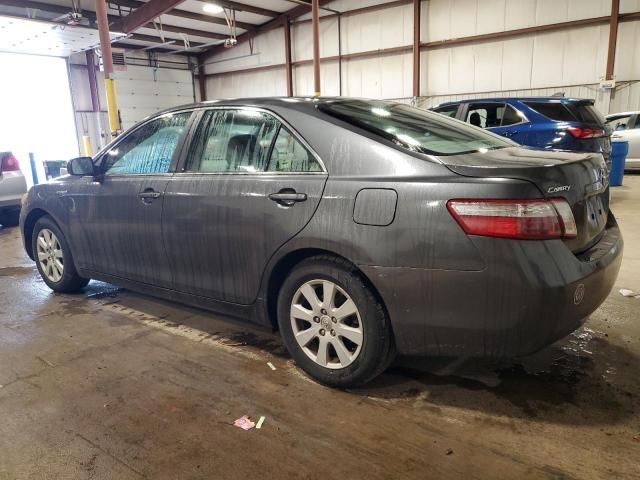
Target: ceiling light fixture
[[212, 8]]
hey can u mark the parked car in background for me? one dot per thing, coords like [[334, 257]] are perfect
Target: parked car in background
[[627, 127], [550, 123], [357, 227], [12, 187]]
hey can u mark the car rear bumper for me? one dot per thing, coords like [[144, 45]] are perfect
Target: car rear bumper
[[531, 294], [12, 187], [632, 164]]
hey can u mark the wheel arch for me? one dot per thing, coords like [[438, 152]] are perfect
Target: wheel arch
[[287, 263], [29, 224]]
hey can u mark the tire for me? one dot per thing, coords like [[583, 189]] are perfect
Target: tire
[[67, 280], [9, 217], [359, 363]]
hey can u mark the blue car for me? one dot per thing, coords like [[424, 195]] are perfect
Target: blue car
[[549, 123]]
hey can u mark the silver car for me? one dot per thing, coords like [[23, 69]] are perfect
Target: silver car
[[12, 187], [626, 126]]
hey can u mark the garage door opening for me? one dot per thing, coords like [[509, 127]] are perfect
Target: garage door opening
[[37, 111]]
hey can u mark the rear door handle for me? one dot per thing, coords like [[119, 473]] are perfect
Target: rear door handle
[[287, 197]]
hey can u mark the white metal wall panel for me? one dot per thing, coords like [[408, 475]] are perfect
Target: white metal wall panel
[[517, 58], [491, 16], [628, 6], [488, 66], [301, 45], [390, 27], [626, 98], [141, 91], [266, 83], [303, 83], [576, 56], [448, 19], [388, 76], [573, 60], [519, 14], [628, 52], [344, 5], [268, 49]]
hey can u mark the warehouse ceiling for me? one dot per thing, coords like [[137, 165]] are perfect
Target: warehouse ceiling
[[188, 24]]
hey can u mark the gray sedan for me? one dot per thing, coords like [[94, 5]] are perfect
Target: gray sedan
[[359, 229]]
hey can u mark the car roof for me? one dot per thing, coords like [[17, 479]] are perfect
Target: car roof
[[299, 103], [518, 99]]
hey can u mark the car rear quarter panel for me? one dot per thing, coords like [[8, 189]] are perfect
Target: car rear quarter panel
[[423, 244]]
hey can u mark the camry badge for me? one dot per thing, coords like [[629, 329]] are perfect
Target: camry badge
[[561, 188]]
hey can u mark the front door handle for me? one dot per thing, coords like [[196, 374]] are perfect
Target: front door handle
[[287, 197], [149, 195]]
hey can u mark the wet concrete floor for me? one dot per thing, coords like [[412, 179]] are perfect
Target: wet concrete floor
[[109, 384]]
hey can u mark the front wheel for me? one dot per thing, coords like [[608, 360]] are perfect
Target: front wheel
[[332, 323], [53, 258]]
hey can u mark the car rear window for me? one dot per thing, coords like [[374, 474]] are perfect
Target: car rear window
[[412, 128], [568, 112]]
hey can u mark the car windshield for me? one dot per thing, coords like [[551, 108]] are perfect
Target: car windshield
[[412, 128]]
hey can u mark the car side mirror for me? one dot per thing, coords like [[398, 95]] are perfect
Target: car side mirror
[[81, 166], [621, 126]]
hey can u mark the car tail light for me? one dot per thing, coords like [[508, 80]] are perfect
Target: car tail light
[[586, 132], [541, 219], [9, 164]]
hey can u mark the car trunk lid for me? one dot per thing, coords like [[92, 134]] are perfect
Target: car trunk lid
[[581, 179]]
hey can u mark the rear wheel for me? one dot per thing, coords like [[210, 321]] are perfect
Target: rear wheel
[[53, 258], [332, 323]]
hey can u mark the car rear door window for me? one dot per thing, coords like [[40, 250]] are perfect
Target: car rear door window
[[552, 110], [289, 155], [510, 116], [568, 112], [448, 110], [491, 115], [232, 140], [586, 113], [149, 149]]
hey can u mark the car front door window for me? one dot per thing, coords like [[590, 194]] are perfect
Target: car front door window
[[148, 149]]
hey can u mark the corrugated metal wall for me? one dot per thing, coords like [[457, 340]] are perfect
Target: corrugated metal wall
[[571, 60], [141, 91]]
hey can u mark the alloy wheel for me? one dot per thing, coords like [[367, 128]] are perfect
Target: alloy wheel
[[50, 255], [326, 324]]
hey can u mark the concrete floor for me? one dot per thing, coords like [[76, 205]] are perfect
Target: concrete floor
[[115, 385]]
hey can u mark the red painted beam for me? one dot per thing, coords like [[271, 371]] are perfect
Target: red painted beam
[[144, 14], [613, 38], [416, 48]]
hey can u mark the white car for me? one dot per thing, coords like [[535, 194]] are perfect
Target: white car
[[12, 187], [626, 125]]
